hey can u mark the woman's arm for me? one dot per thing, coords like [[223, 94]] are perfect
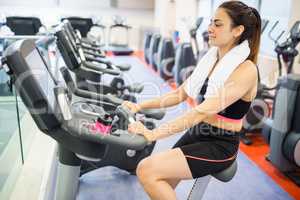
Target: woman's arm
[[167, 100], [239, 83]]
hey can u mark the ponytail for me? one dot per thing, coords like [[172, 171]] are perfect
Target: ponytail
[[254, 40]]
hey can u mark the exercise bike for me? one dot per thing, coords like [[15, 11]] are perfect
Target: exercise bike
[[79, 137], [188, 53], [85, 70]]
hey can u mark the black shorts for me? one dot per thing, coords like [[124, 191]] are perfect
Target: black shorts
[[208, 149]]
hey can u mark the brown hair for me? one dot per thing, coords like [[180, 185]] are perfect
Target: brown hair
[[241, 14]]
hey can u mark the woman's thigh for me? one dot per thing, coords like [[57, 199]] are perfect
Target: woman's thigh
[[168, 165]]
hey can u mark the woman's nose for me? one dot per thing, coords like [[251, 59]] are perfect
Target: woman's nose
[[210, 29]]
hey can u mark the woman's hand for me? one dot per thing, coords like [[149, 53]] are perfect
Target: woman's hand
[[133, 107], [139, 128]]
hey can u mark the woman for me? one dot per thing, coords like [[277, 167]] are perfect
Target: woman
[[211, 143]]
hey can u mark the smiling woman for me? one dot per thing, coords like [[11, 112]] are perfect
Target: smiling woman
[[226, 77]]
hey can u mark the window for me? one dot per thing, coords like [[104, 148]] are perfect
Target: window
[[279, 11]]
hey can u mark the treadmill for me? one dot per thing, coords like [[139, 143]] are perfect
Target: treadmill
[[118, 48]]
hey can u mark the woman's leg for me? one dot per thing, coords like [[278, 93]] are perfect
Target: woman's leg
[[161, 172], [184, 140]]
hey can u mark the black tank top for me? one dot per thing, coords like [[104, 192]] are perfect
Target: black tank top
[[237, 110]]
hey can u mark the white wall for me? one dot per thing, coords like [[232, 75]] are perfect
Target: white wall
[[186, 14], [175, 15], [140, 4], [268, 69], [50, 13], [164, 16]]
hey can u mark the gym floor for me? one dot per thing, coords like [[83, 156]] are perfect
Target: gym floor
[[255, 178]]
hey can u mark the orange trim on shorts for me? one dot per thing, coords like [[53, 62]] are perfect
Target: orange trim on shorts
[[211, 160], [220, 117]]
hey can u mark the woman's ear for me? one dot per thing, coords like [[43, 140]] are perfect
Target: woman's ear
[[238, 31]]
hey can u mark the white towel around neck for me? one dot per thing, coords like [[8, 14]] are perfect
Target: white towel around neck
[[224, 68]]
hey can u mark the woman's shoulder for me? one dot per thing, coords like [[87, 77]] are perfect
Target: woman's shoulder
[[247, 68], [245, 71], [248, 65]]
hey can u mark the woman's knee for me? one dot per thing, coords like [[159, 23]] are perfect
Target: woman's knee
[[145, 169], [173, 182]]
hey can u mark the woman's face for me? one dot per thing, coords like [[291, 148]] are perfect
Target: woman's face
[[220, 30]]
